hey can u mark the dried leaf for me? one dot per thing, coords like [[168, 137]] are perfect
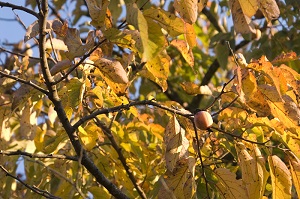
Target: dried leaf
[[188, 10], [285, 57], [269, 8], [75, 46], [280, 177], [56, 44], [98, 12], [33, 30], [112, 70], [242, 23]]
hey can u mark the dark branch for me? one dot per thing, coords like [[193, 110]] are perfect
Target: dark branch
[[126, 107], [36, 155], [30, 83], [16, 7], [114, 144], [32, 188]]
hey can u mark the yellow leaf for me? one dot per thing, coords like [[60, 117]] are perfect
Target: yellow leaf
[[262, 172], [190, 35], [228, 186], [180, 183], [157, 70], [254, 97], [284, 109], [188, 10], [89, 136], [176, 143], [97, 90], [249, 169], [168, 21], [185, 50], [295, 170], [280, 177], [249, 7], [121, 38], [39, 139]]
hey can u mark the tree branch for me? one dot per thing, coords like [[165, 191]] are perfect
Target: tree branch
[[32, 188], [30, 83], [126, 107], [16, 7], [36, 155], [53, 96], [114, 144]]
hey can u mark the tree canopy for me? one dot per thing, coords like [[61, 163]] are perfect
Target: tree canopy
[[151, 99]]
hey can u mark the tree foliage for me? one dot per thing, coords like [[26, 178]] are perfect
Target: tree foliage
[[101, 102]]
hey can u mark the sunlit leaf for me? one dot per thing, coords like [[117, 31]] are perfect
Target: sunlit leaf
[[136, 18], [112, 70], [168, 21], [251, 177], [179, 182], [285, 57], [229, 186], [89, 136], [71, 93], [249, 7], [157, 70], [185, 50], [280, 177], [295, 170], [188, 10], [176, 144]]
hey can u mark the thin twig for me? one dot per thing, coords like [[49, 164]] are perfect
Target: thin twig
[[126, 107], [58, 174], [32, 188], [36, 155], [200, 158], [16, 7], [114, 144], [18, 54], [239, 137], [216, 113], [30, 83]]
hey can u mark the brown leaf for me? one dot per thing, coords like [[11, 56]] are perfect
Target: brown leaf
[[270, 9], [242, 23]]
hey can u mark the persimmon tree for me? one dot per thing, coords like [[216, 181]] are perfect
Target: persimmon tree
[[146, 99]]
